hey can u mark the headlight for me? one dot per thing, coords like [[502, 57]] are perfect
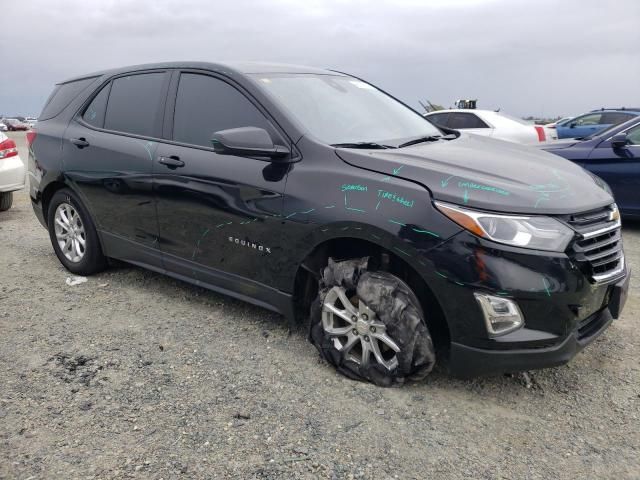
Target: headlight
[[536, 232]]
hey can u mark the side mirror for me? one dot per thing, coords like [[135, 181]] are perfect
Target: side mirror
[[619, 140], [247, 142], [572, 125]]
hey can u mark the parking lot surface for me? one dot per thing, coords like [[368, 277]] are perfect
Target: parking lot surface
[[136, 375]]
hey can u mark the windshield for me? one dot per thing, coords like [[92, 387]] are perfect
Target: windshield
[[340, 110]]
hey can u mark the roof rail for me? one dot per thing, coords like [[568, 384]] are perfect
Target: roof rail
[[633, 109]]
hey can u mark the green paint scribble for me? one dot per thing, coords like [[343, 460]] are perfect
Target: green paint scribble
[[378, 205], [441, 274], [486, 188], [459, 283], [395, 197], [417, 230], [466, 196], [290, 215], [197, 247], [444, 183], [309, 211], [147, 146], [397, 223], [223, 224], [397, 170], [546, 286], [330, 206], [353, 186], [402, 251], [355, 209]]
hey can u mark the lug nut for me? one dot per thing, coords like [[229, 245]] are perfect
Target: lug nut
[[366, 338], [355, 332], [365, 316], [373, 329], [354, 318]]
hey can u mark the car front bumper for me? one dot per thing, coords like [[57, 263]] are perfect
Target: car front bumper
[[12, 174], [563, 309]]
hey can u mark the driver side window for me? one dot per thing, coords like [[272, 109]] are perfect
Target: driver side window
[[633, 135], [205, 105], [593, 119]]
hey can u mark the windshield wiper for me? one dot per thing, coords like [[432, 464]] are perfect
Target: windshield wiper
[[430, 138], [371, 145]]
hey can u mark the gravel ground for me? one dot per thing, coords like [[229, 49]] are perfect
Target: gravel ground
[[135, 375]]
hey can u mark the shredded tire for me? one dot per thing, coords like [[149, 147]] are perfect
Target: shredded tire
[[395, 305]]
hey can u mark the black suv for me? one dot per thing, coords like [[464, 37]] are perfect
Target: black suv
[[317, 195]]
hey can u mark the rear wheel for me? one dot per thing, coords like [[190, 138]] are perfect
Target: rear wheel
[[370, 325], [6, 200], [73, 234]]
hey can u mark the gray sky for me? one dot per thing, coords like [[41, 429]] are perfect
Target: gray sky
[[538, 57]]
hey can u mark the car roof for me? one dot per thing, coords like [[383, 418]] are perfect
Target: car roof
[[237, 68]]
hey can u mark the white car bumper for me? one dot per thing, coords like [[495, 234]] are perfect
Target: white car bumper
[[12, 174]]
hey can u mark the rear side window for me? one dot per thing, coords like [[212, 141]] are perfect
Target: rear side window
[[614, 118], [465, 120], [439, 119], [94, 114], [205, 105], [62, 96], [134, 103]]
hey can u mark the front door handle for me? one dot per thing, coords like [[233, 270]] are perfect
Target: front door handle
[[80, 142], [171, 162]]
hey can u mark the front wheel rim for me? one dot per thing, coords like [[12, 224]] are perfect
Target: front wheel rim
[[70, 233], [356, 332]]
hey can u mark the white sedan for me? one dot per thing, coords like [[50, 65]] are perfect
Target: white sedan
[[12, 171], [490, 124]]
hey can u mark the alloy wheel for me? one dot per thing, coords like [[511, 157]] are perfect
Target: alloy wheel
[[356, 331], [70, 232]]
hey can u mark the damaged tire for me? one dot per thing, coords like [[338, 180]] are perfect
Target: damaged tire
[[370, 326]]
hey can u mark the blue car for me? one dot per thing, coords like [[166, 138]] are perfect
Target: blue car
[[613, 155], [594, 122]]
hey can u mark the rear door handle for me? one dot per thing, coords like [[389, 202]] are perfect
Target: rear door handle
[[80, 142], [171, 162]]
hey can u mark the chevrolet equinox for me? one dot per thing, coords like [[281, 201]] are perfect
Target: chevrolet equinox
[[317, 195]]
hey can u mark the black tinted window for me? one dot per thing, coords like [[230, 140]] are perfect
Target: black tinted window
[[94, 114], [62, 96], [614, 118], [439, 119], [134, 103], [205, 105], [465, 120]]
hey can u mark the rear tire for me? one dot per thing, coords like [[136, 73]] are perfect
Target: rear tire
[[73, 234], [6, 200], [370, 325]]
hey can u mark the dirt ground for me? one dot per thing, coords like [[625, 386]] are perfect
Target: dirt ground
[[135, 375]]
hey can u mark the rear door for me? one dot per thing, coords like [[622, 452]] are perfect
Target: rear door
[[620, 168], [217, 214], [108, 156]]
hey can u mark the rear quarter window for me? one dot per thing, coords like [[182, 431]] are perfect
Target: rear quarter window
[[465, 120], [62, 96]]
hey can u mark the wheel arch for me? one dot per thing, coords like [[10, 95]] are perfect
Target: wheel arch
[[342, 248]]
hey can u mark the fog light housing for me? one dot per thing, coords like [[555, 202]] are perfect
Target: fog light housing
[[501, 315]]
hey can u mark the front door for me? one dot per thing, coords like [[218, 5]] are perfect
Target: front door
[[620, 168], [216, 213]]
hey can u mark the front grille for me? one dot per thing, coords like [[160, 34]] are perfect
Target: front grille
[[598, 246]]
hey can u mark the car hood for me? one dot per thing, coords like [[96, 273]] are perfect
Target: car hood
[[488, 174]]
